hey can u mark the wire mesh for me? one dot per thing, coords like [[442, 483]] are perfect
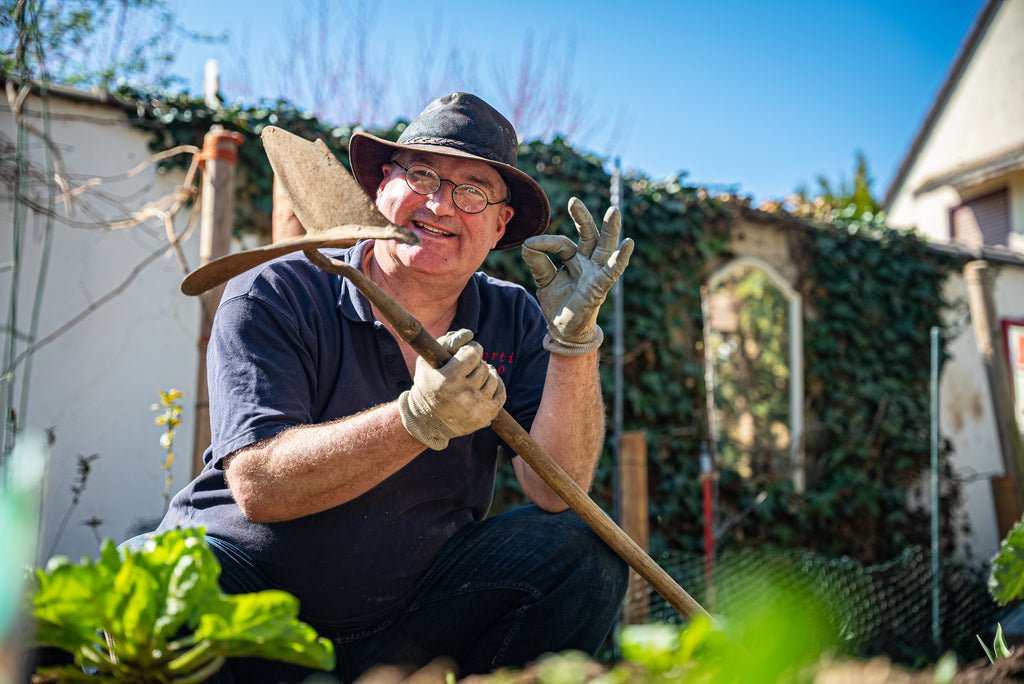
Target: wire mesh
[[883, 609]]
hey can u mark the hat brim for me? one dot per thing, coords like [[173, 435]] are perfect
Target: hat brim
[[368, 154], [227, 267]]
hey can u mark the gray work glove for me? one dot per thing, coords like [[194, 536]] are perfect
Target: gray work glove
[[460, 397], [571, 296]]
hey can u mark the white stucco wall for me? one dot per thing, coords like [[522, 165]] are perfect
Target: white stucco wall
[[967, 416], [94, 385], [983, 117]]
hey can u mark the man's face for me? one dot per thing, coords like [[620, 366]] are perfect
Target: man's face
[[453, 242]]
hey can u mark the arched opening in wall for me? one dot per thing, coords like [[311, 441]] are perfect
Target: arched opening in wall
[[753, 349]]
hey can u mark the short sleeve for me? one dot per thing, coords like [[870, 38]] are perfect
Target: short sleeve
[[258, 373]]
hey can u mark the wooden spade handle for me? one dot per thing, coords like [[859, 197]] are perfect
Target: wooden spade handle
[[413, 333]]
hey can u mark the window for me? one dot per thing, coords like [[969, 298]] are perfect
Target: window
[[753, 346], [981, 221]]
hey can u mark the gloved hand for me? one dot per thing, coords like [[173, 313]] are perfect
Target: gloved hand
[[571, 296], [460, 397]]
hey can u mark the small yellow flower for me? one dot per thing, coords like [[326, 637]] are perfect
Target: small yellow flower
[[170, 395]]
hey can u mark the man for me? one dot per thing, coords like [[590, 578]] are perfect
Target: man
[[353, 475]]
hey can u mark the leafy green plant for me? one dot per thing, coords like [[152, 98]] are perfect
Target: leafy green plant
[[1006, 581], [1006, 584], [158, 615], [999, 647]]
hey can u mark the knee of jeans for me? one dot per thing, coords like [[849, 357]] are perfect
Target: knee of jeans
[[596, 560], [136, 543], [614, 571]]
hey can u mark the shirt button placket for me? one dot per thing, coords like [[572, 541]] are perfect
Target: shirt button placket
[[394, 370]]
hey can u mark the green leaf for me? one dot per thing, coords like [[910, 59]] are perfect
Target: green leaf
[[131, 609], [653, 646], [999, 645], [569, 667], [65, 606], [1006, 582], [693, 637], [192, 581], [988, 653], [264, 625]]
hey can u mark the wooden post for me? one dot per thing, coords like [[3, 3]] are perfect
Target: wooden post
[[220, 155], [634, 511], [987, 332]]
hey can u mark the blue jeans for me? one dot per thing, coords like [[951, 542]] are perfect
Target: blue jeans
[[500, 593]]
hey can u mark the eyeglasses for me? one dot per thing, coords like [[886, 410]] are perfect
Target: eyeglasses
[[423, 180]]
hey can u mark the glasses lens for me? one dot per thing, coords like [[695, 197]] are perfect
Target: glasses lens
[[422, 179], [425, 181], [469, 198]]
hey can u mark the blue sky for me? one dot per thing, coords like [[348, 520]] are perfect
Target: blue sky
[[756, 97]]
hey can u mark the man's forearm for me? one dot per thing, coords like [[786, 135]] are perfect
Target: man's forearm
[[569, 426], [311, 468]]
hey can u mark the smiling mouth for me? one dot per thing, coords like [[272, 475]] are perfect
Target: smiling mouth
[[432, 231]]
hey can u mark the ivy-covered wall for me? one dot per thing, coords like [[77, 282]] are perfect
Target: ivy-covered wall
[[871, 295]]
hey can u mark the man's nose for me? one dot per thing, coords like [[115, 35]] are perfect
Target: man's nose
[[441, 201]]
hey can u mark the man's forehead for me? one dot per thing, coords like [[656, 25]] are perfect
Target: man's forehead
[[466, 170]]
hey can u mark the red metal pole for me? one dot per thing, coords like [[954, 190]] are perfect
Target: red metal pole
[[706, 476]]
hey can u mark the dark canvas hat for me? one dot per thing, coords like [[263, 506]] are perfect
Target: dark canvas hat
[[464, 126]]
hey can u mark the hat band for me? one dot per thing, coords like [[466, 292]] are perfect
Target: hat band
[[477, 150]]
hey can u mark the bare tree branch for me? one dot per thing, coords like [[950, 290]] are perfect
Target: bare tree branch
[[74, 189], [342, 77], [75, 192], [92, 308], [433, 76], [16, 100]]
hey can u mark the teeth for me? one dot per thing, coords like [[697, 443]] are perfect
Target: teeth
[[432, 231]]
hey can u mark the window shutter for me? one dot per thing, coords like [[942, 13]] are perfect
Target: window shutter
[[982, 221]]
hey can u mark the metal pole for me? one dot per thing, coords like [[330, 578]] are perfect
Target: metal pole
[[709, 447], [618, 348], [936, 577], [707, 483]]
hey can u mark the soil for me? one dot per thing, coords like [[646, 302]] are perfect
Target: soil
[[874, 671], [1008, 669], [881, 671]]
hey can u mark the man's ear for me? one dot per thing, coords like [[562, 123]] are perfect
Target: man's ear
[[386, 171], [504, 216]]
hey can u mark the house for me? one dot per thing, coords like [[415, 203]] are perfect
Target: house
[[95, 326], [962, 185], [962, 180]]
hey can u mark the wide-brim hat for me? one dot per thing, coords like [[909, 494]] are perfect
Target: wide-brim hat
[[463, 126]]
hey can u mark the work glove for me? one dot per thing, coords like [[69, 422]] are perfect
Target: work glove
[[571, 295], [461, 397]]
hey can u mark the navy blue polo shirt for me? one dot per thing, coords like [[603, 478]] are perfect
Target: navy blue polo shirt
[[294, 345]]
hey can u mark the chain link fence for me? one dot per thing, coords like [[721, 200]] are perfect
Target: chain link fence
[[884, 609]]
